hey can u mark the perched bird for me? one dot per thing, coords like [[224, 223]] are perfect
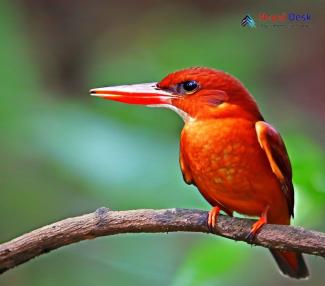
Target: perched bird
[[237, 161]]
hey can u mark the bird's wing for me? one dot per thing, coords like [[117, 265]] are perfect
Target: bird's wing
[[187, 176], [276, 152], [186, 171]]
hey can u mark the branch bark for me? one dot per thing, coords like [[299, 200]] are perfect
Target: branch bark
[[104, 222]]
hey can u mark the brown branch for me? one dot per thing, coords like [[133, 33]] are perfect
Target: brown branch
[[106, 222]]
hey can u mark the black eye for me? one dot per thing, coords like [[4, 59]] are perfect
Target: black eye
[[189, 86]]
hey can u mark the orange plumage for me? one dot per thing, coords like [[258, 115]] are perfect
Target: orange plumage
[[237, 160]]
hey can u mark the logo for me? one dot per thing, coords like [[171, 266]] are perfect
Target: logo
[[248, 21], [284, 17], [280, 20]]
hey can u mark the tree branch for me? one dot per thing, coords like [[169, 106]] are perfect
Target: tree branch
[[106, 222]]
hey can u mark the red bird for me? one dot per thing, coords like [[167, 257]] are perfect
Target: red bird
[[236, 159]]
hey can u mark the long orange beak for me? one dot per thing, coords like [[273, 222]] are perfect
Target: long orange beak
[[145, 94]]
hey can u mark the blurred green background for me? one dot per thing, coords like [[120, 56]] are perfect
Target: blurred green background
[[63, 153]]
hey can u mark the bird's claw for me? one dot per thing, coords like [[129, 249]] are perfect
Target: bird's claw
[[213, 218], [250, 237], [257, 226]]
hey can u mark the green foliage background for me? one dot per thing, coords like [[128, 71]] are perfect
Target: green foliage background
[[62, 156]]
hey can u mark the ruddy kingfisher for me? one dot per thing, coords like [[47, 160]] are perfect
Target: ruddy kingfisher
[[238, 162]]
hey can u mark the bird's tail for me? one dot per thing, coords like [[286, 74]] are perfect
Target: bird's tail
[[291, 264]]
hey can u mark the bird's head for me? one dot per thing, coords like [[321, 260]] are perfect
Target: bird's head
[[194, 93]]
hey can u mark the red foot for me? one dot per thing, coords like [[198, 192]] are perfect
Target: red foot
[[258, 225], [213, 218]]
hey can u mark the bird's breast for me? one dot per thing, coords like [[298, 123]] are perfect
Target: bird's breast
[[219, 147]]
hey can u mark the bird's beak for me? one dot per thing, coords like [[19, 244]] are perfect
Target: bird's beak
[[145, 94]]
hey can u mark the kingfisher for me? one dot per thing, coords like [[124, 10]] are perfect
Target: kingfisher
[[237, 161]]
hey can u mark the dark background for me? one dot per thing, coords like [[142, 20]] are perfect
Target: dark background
[[63, 153]]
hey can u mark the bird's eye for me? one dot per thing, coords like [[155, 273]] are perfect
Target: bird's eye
[[189, 86]]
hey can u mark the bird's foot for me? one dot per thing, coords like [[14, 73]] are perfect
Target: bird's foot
[[213, 218], [257, 226], [255, 229]]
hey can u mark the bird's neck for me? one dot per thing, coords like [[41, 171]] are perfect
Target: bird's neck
[[230, 110]]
